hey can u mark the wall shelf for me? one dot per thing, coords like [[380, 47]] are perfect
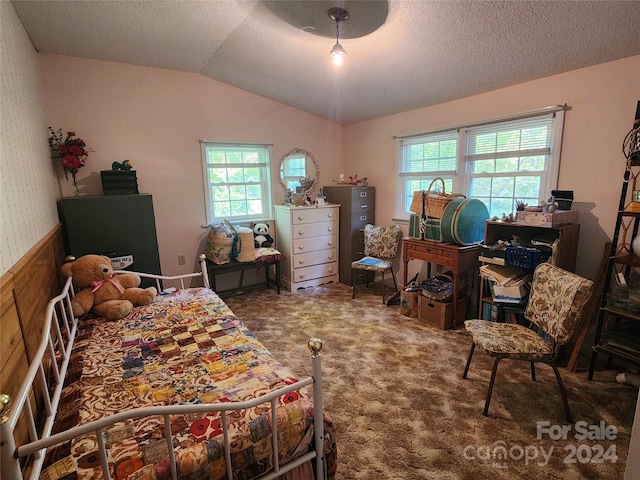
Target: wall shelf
[[618, 330]]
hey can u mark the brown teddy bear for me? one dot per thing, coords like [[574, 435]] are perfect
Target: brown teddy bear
[[99, 290]]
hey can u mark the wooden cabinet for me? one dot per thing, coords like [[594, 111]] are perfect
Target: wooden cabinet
[[308, 237], [567, 236], [618, 327], [456, 258], [112, 224], [564, 255], [357, 208]]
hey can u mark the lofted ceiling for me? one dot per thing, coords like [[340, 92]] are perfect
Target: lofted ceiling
[[401, 54]]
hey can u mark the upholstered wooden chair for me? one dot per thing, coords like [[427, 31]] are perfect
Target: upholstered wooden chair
[[380, 248], [557, 301]]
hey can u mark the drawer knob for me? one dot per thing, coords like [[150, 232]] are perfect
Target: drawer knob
[[300, 217], [300, 233], [330, 214], [330, 242], [330, 257], [301, 276], [300, 247], [301, 262], [330, 269], [330, 229]]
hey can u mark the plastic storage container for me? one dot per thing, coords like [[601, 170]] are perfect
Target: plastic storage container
[[526, 258]]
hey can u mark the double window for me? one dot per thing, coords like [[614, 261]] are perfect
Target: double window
[[499, 162], [236, 181]]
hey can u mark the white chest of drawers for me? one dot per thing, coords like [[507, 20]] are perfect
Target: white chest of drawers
[[308, 237]]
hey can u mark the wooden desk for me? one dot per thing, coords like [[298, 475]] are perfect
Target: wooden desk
[[456, 258]]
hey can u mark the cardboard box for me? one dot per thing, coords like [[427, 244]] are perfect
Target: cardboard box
[[409, 303], [440, 314], [541, 219], [512, 294]]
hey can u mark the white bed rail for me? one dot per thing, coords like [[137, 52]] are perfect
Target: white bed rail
[[59, 333], [181, 278], [98, 427], [50, 362]]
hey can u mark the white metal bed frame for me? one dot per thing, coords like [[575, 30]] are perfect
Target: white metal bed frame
[[59, 332]]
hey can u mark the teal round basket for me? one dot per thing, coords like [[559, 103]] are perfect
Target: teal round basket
[[463, 221]]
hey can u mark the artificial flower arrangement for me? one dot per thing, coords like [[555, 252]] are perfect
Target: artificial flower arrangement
[[72, 152]]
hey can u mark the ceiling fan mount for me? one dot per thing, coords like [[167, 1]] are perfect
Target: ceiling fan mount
[[338, 14]]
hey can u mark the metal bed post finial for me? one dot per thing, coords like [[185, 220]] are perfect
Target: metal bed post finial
[[202, 258], [315, 345], [5, 400]]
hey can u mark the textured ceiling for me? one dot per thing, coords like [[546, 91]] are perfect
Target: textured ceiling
[[401, 55]]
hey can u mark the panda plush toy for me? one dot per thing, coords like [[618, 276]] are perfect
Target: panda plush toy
[[261, 237]]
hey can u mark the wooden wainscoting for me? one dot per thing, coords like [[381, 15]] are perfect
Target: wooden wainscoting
[[25, 291]]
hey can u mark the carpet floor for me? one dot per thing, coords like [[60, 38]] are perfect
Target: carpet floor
[[393, 387]]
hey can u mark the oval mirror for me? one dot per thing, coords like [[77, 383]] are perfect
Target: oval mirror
[[299, 171]]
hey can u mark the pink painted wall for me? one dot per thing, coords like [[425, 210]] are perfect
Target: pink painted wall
[[155, 118], [602, 101]]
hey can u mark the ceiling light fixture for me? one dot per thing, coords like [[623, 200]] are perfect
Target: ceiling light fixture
[[338, 15]]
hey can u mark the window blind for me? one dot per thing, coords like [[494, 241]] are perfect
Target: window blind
[[523, 138], [432, 153]]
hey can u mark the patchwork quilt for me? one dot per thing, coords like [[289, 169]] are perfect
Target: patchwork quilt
[[185, 348]]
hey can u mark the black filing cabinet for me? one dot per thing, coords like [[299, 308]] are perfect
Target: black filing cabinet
[[357, 209], [112, 224]]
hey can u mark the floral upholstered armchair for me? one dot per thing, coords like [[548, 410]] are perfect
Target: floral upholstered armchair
[[557, 301]]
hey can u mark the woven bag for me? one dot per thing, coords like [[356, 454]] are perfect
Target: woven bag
[[417, 203], [246, 248], [220, 240], [437, 200]]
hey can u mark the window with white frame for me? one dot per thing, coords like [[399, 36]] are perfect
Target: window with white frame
[[236, 181], [510, 162], [424, 159], [498, 162]]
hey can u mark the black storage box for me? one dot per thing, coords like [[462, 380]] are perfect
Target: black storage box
[[119, 182], [488, 254], [564, 198]]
